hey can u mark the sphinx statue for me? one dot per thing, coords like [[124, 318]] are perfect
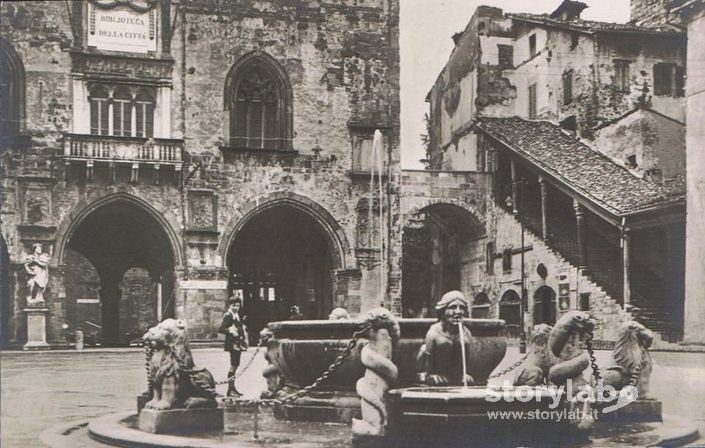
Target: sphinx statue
[[630, 363], [564, 342], [534, 371], [439, 361]]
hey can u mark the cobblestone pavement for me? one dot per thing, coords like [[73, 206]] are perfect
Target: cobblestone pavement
[[40, 390]]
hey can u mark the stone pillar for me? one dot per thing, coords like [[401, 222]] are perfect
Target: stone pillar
[[544, 208], [36, 328], [110, 295], [580, 229], [627, 292]]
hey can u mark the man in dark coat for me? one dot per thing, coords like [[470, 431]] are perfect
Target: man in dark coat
[[235, 340]]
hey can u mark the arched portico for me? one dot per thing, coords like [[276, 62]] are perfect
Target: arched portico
[[118, 256], [281, 251]]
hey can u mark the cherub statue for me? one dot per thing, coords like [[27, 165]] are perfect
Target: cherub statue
[[37, 266], [440, 359]]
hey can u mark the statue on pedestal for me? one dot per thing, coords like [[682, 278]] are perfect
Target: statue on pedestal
[[440, 357], [534, 371], [37, 266]]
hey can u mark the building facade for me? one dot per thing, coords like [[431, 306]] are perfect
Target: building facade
[[582, 126], [170, 154]]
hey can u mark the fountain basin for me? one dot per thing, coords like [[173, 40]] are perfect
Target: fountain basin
[[302, 350]]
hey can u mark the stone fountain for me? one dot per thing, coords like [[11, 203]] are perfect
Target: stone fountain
[[401, 383]]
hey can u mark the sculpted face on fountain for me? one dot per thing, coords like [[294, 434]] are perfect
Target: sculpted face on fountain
[[440, 358]]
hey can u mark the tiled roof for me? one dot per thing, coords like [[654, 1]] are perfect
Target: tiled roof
[[579, 167], [590, 26]]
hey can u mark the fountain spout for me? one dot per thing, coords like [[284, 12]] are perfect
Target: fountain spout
[[462, 351]]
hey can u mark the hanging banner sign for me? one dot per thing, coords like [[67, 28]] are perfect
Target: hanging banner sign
[[122, 29]]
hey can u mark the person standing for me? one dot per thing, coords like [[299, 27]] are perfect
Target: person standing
[[235, 340]]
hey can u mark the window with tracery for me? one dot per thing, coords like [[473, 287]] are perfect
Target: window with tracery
[[11, 91], [123, 111], [257, 96]]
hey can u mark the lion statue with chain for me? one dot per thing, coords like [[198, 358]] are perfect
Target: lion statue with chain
[[630, 362], [176, 382], [539, 361]]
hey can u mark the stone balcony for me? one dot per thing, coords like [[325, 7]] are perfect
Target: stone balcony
[[117, 153]]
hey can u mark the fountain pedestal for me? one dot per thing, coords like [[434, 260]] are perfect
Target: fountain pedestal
[[181, 421]]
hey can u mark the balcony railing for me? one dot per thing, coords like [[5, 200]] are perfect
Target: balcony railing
[[128, 149]]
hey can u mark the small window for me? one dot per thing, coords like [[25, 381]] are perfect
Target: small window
[[574, 40], [532, 101], [568, 87], [631, 161], [505, 56], [669, 80], [621, 75], [507, 260], [532, 45], [98, 99], [489, 258]]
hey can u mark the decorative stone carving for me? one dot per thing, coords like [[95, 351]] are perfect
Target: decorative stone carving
[[202, 210], [176, 382], [380, 372], [37, 266], [440, 357], [630, 360], [125, 68]]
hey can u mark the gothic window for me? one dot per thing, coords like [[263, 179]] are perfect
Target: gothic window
[[532, 45], [11, 91], [257, 98], [131, 109]]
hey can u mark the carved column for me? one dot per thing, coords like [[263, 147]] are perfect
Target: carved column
[[544, 208]]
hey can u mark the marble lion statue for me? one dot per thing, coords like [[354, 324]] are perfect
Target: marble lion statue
[[534, 371], [631, 358], [176, 382]]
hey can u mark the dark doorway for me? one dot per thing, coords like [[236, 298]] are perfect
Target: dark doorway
[[434, 242], [119, 278], [510, 312], [279, 259], [545, 306]]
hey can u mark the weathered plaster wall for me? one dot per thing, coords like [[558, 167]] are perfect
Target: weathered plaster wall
[[695, 224], [656, 141]]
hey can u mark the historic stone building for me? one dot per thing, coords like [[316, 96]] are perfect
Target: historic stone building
[[168, 154], [581, 126]]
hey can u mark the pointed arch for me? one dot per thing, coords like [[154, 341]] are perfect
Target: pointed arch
[[258, 104], [12, 91]]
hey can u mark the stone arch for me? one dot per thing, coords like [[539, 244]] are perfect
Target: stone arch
[[340, 248], [418, 206], [12, 82], [72, 221], [545, 305]]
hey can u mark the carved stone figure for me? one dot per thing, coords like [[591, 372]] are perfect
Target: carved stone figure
[[380, 372], [631, 359], [37, 266], [176, 382], [440, 358], [564, 342], [534, 371], [270, 373]]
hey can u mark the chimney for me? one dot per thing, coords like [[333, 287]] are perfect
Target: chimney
[[568, 10]]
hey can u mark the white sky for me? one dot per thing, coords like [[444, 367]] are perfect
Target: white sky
[[426, 27]]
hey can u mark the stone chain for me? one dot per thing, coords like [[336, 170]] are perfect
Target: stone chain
[[595, 370], [300, 393], [510, 368], [148, 358]]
